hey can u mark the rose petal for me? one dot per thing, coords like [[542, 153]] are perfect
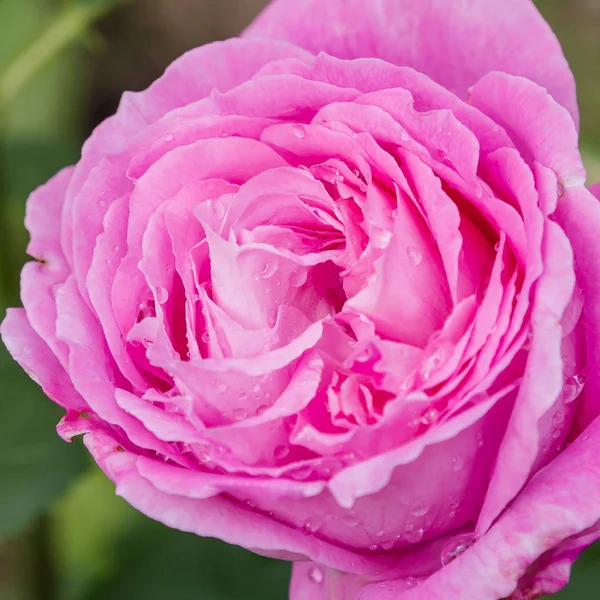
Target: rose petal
[[454, 43]]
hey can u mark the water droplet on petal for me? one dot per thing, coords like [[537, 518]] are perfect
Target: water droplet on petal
[[458, 463], [414, 255], [430, 416], [262, 409], [556, 434], [299, 130], [162, 295], [281, 452], [420, 510], [204, 457], [560, 189], [311, 526], [413, 535], [169, 137], [350, 520], [302, 473], [298, 277], [404, 135], [239, 414], [249, 504], [573, 387], [373, 547], [558, 418], [316, 575], [267, 271], [455, 547], [206, 337]]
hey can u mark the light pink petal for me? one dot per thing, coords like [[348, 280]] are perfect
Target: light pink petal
[[232, 159], [192, 77], [218, 517], [541, 129], [36, 358], [543, 379], [527, 552], [453, 43], [578, 213], [39, 279], [408, 297]]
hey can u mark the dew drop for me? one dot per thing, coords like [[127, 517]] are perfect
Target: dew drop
[[315, 574], [222, 387], [261, 410], [239, 414], [299, 131], [169, 137], [311, 526], [101, 203], [249, 504], [414, 255], [573, 387], [281, 452], [162, 295], [206, 337], [430, 416], [404, 135], [455, 547], [420, 510], [373, 547], [350, 520], [558, 418], [458, 463], [204, 457], [268, 270], [497, 246], [412, 535], [556, 434], [302, 473], [315, 364], [298, 277], [560, 189]]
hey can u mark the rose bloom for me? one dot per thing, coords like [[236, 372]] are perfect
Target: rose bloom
[[331, 291]]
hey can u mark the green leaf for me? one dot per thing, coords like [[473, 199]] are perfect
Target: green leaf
[[35, 464]]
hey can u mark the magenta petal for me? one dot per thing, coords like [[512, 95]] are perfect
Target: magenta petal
[[455, 43]]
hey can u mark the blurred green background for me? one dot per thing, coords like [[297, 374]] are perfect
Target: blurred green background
[[64, 535]]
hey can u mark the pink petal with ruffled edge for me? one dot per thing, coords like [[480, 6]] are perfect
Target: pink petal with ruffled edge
[[453, 43], [545, 522]]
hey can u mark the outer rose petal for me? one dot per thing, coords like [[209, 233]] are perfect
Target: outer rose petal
[[546, 520], [455, 43], [578, 213], [219, 517], [34, 355]]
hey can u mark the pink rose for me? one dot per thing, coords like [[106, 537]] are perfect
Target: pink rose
[[331, 292]]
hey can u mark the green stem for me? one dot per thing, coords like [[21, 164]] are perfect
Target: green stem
[[65, 28]]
